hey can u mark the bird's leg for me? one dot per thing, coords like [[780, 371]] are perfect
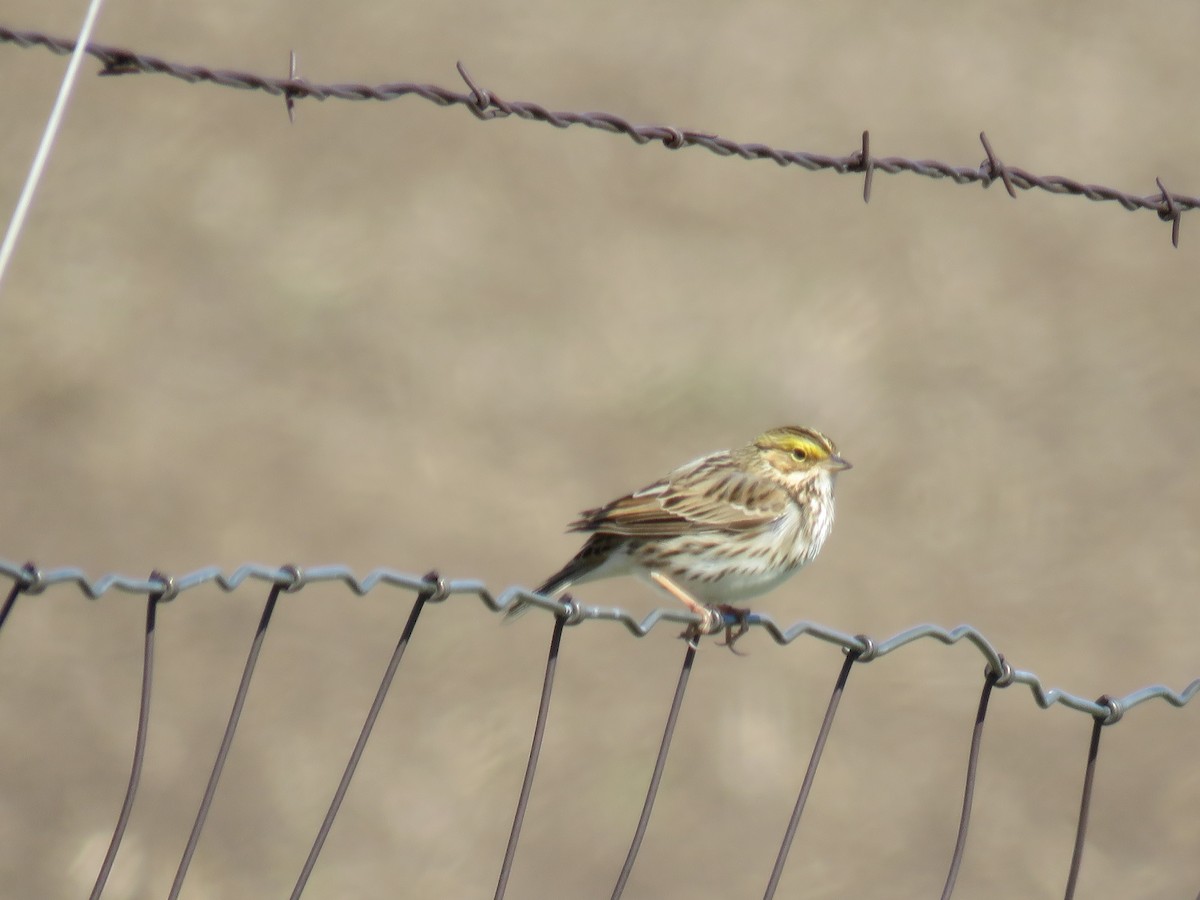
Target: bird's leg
[[712, 618]]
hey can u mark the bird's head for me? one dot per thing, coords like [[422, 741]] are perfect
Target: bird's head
[[797, 454]]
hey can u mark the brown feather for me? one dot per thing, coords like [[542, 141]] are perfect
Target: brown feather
[[676, 506]]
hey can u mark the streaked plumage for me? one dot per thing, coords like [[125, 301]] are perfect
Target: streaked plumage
[[723, 528]]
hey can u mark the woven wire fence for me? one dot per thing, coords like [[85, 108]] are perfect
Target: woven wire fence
[[28, 580]]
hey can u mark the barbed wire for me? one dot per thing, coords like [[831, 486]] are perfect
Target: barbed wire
[[28, 579], [486, 105]]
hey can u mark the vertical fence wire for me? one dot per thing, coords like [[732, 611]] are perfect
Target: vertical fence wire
[[960, 843], [659, 765], [535, 750], [359, 745], [9, 602], [1085, 803], [810, 775], [139, 748], [235, 716]]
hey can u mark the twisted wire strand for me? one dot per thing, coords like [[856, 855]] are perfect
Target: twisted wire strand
[[487, 105], [28, 579]]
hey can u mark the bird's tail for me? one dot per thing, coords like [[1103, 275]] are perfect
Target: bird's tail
[[572, 572]]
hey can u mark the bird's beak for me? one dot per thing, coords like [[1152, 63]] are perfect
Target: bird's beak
[[837, 464]]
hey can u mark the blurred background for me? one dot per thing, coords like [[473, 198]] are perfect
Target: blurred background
[[391, 335]]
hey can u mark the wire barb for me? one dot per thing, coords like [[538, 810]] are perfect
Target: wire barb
[[995, 167], [1169, 212], [480, 99], [120, 63], [864, 164], [290, 94]]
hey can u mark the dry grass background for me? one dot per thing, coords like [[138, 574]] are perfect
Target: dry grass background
[[392, 335]]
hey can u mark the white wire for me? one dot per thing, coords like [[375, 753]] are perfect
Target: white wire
[[43, 152]]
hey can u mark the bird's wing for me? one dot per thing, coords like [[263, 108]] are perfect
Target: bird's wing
[[704, 495]]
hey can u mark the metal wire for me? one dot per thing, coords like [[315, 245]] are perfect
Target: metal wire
[[660, 764], [431, 594], [810, 774], [139, 746], [9, 602], [960, 843], [535, 749], [486, 105], [235, 715], [46, 144], [33, 580], [1085, 804]]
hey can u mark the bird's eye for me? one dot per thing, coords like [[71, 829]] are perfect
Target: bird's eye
[[799, 454]]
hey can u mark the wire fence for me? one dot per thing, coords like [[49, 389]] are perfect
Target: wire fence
[[29, 580], [486, 105], [158, 588]]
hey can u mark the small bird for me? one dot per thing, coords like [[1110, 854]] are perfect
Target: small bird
[[722, 528]]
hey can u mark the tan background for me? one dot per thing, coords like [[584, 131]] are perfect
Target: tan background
[[392, 335]]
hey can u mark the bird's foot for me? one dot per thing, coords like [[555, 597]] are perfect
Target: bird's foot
[[714, 620], [733, 632], [711, 621]]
